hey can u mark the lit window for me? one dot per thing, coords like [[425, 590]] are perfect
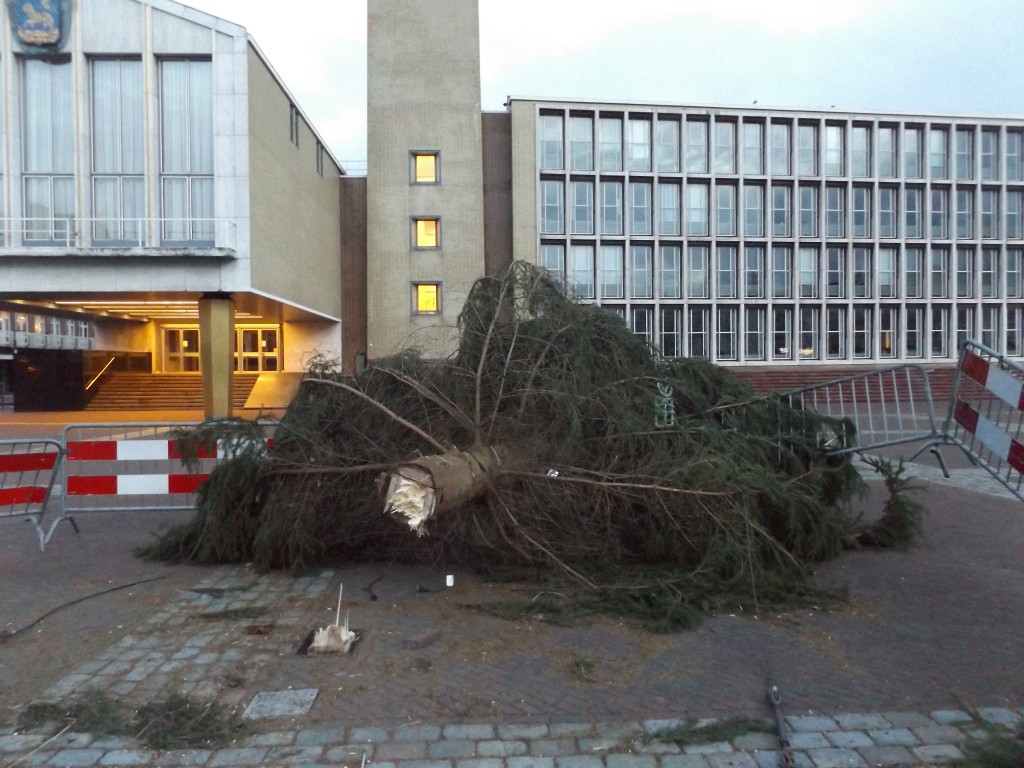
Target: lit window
[[426, 233], [426, 298], [425, 168]]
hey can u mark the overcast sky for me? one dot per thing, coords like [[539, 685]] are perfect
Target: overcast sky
[[950, 56]]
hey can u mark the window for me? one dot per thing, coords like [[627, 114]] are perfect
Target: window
[[551, 209], [913, 270], [641, 273], [697, 210], [611, 143], [186, 138], [725, 147], [638, 145], [611, 208], [294, 122], [118, 184], [552, 260], [726, 259], [782, 333], [990, 273], [939, 273], [964, 325], [668, 145], [671, 333], [862, 318], [862, 273], [835, 273], [1014, 151], [1014, 211], [320, 152], [808, 211], [861, 211], [835, 333], [860, 150], [913, 146], [938, 144], [698, 332], [49, 150], [425, 167], [888, 332], [753, 333], [834, 159], [915, 331], [640, 208], [753, 210], [668, 209], [581, 202], [581, 143], [887, 273], [426, 233], [964, 153], [990, 327], [725, 210], [780, 210], [887, 151], [782, 272], [964, 214], [912, 211], [753, 272], [887, 218], [835, 212], [989, 213], [807, 150], [808, 273], [611, 272], [669, 285], [725, 333], [697, 272], [551, 143], [940, 213], [581, 271], [989, 154], [426, 298], [640, 323], [964, 273], [1014, 325], [753, 147], [1014, 274], [780, 149], [809, 349], [696, 146]]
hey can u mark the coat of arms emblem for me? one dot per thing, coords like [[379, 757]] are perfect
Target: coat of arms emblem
[[38, 23]]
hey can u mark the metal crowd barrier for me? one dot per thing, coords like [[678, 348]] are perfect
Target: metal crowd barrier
[[28, 472]]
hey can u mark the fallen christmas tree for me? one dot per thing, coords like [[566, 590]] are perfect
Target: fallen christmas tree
[[554, 437]]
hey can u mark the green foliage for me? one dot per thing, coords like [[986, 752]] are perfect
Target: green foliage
[[902, 516], [692, 732], [734, 496], [998, 750]]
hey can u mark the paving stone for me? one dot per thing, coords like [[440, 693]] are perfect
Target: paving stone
[[530, 762], [515, 731], [280, 703], [501, 748], [586, 761], [426, 764], [653, 726], [68, 758], [938, 753], [239, 756], [476, 731], [849, 739], [887, 755], [836, 758], [293, 755], [629, 761], [907, 719], [18, 742], [894, 737], [709, 748], [272, 739], [856, 721], [557, 730], [311, 737], [619, 730], [951, 717], [452, 748], [657, 748], [939, 734], [802, 723], [732, 760], [401, 750], [417, 733], [808, 740], [750, 741], [360, 735], [476, 762], [552, 747], [999, 715], [691, 761], [127, 757], [599, 745]]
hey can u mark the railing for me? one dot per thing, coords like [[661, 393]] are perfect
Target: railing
[[103, 370], [23, 340], [28, 471], [104, 233]]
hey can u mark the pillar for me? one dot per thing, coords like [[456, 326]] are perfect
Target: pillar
[[217, 353]]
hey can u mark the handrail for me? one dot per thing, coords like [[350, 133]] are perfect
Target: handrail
[[102, 371]]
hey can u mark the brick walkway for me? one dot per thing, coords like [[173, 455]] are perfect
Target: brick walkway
[[884, 680]]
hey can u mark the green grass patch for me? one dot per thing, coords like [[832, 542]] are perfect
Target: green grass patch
[[691, 732]]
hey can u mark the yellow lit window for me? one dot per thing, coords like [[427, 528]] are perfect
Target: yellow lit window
[[427, 298], [424, 168], [427, 233]]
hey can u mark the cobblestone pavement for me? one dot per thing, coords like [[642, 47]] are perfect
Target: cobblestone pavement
[[924, 653]]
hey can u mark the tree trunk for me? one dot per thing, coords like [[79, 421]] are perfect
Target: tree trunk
[[423, 487]]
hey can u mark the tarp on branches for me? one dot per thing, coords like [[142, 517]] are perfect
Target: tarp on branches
[[553, 437]]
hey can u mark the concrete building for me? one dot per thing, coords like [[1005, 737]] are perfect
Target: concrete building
[[166, 203]]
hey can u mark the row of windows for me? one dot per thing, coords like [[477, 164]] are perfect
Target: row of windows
[[42, 325], [698, 271], [666, 208], [643, 142], [822, 332]]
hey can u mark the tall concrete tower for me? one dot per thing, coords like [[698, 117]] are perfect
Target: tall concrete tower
[[425, 209]]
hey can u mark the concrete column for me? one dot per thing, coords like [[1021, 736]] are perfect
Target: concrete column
[[217, 353]]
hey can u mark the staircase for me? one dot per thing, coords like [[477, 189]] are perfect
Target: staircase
[[121, 391], [781, 379]]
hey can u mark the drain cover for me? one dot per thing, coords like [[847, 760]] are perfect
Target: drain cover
[[280, 703]]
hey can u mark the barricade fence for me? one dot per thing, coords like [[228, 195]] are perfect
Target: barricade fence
[[28, 473]]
